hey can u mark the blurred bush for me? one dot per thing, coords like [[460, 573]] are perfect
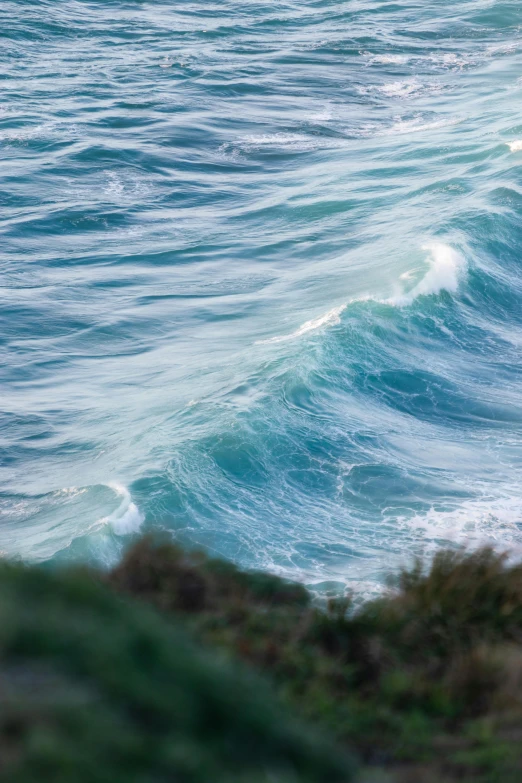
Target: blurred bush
[[97, 689], [424, 683], [179, 667]]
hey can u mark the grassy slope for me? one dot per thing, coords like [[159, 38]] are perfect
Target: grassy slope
[[97, 686], [97, 689], [425, 683]]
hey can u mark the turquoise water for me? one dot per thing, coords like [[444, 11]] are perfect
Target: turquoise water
[[261, 279]]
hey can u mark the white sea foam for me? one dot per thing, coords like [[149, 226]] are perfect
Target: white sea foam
[[44, 130], [505, 48], [127, 518], [452, 60], [28, 133], [486, 520], [126, 187], [278, 139], [297, 142], [417, 124], [114, 186], [515, 146], [401, 89], [389, 59], [322, 116], [328, 319], [446, 266]]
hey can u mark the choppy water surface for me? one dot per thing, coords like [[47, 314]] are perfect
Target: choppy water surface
[[261, 279]]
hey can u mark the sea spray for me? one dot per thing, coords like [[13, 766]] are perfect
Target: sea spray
[[445, 269], [127, 518]]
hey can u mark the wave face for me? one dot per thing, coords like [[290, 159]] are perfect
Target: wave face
[[261, 280]]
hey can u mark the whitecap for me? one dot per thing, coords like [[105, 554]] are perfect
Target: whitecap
[[446, 266], [127, 518], [445, 269], [515, 146]]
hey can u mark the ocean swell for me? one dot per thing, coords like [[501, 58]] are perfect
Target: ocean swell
[[445, 268], [261, 263]]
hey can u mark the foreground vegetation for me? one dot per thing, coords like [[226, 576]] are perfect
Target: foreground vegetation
[[424, 683], [178, 667], [94, 689]]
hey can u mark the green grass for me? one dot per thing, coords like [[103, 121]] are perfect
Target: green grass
[[424, 683], [179, 667], [98, 689]]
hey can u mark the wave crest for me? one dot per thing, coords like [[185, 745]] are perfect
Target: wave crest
[[330, 318], [446, 265], [445, 269], [127, 518]]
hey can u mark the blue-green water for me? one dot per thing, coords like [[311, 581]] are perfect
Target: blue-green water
[[261, 279]]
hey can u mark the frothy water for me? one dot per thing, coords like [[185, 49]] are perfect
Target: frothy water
[[260, 281], [445, 268], [127, 518], [333, 316]]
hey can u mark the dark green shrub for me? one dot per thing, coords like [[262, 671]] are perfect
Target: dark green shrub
[[94, 689], [426, 681]]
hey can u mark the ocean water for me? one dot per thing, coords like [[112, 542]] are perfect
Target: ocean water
[[261, 280]]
